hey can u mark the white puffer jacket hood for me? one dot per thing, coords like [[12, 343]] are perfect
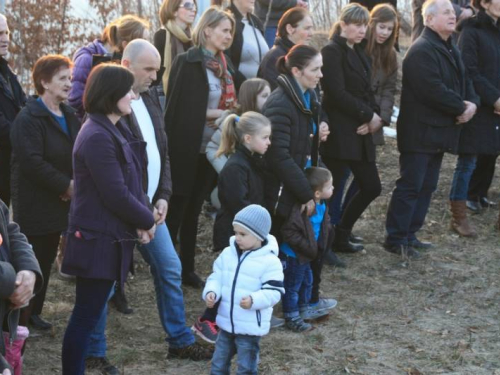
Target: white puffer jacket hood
[[257, 273]]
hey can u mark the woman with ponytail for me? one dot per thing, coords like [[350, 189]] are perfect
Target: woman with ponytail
[[176, 17]]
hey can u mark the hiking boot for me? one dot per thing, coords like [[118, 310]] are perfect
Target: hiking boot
[[101, 364], [341, 243], [193, 280], [297, 325], [194, 352], [331, 259], [37, 322], [277, 322], [119, 301], [459, 222], [324, 304], [419, 245], [207, 330], [403, 250]]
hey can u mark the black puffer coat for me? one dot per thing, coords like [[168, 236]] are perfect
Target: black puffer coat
[[293, 141], [41, 168], [267, 69], [479, 42], [241, 183]]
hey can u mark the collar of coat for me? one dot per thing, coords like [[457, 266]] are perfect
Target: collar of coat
[[292, 88], [38, 110], [481, 19], [284, 43], [343, 42], [255, 158], [238, 17], [195, 54]]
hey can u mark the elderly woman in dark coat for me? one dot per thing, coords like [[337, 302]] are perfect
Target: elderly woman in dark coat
[[42, 139], [109, 209], [200, 89], [479, 42]]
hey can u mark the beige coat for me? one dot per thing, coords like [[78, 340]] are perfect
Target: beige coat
[[384, 88]]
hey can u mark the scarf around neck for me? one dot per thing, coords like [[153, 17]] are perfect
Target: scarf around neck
[[218, 65], [182, 36]]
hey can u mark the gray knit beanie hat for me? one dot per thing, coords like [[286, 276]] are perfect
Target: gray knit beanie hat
[[255, 219]]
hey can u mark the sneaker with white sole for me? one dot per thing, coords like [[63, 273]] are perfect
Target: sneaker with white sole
[[309, 314], [207, 330], [277, 322], [324, 304]]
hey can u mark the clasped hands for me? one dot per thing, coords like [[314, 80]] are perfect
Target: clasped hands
[[370, 127], [469, 112]]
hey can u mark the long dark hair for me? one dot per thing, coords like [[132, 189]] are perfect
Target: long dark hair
[[383, 55], [299, 56]]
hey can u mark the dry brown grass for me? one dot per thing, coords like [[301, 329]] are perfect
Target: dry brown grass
[[436, 316]]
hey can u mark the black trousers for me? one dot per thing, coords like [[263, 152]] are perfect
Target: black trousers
[[184, 211], [45, 249], [482, 177], [366, 175], [5, 154]]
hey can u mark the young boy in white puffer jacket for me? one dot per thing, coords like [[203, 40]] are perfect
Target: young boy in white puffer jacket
[[248, 279]]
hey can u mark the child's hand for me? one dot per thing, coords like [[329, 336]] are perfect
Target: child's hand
[[210, 299], [246, 302]]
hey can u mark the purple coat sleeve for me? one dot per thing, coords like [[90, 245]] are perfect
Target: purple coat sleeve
[[81, 71]]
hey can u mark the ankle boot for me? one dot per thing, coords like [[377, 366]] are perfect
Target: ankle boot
[[459, 221], [341, 242]]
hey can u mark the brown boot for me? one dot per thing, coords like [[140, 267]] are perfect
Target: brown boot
[[459, 221]]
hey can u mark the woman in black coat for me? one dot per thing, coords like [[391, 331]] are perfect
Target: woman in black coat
[[200, 89], [249, 45], [295, 27], [479, 43], [350, 105], [42, 139]]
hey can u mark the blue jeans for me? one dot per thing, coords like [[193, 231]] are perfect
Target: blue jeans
[[419, 175], [90, 301], [298, 287], [226, 347], [270, 35], [97, 345], [461, 178], [166, 269]]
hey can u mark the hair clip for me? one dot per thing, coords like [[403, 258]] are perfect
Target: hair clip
[[237, 119]]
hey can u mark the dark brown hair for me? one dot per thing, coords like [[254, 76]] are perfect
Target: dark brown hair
[[106, 85], [299, 57], [291, 17], [247, 96], [317, 177], [46, 68], [477, 4], [383, 55]]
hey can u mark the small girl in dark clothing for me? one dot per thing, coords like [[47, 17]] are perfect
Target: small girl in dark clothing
[[241, 181]]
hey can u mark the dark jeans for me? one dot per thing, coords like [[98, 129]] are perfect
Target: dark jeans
[[366, 175], [419, 175], [184, 210], [227, 345], [482, 177], [339, 202], [298, 286], [90, 300], [45, 249], [5, 154], [461, 177]]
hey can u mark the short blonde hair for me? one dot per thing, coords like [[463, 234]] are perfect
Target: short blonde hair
[[212, 17]]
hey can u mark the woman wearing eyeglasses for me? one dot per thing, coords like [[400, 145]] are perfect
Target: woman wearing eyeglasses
[[176, 17]]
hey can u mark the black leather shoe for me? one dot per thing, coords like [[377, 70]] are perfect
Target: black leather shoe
[[485, 203], [331, 259], [419, 245], [38, 323], [341, 243], [474, 206], [193, 280], [406, 251], [119, 301]]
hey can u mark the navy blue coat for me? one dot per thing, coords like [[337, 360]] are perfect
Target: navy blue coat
[[108, 204]]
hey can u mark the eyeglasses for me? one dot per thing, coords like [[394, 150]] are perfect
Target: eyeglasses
[[188, 6]]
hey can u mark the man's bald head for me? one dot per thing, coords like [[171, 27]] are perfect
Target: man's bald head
[[4, 36], [143, 60]]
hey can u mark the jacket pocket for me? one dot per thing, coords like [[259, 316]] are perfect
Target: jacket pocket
[[435, 136], [259, 318]]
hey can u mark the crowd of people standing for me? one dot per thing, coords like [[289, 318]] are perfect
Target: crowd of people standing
[[123, 145]]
